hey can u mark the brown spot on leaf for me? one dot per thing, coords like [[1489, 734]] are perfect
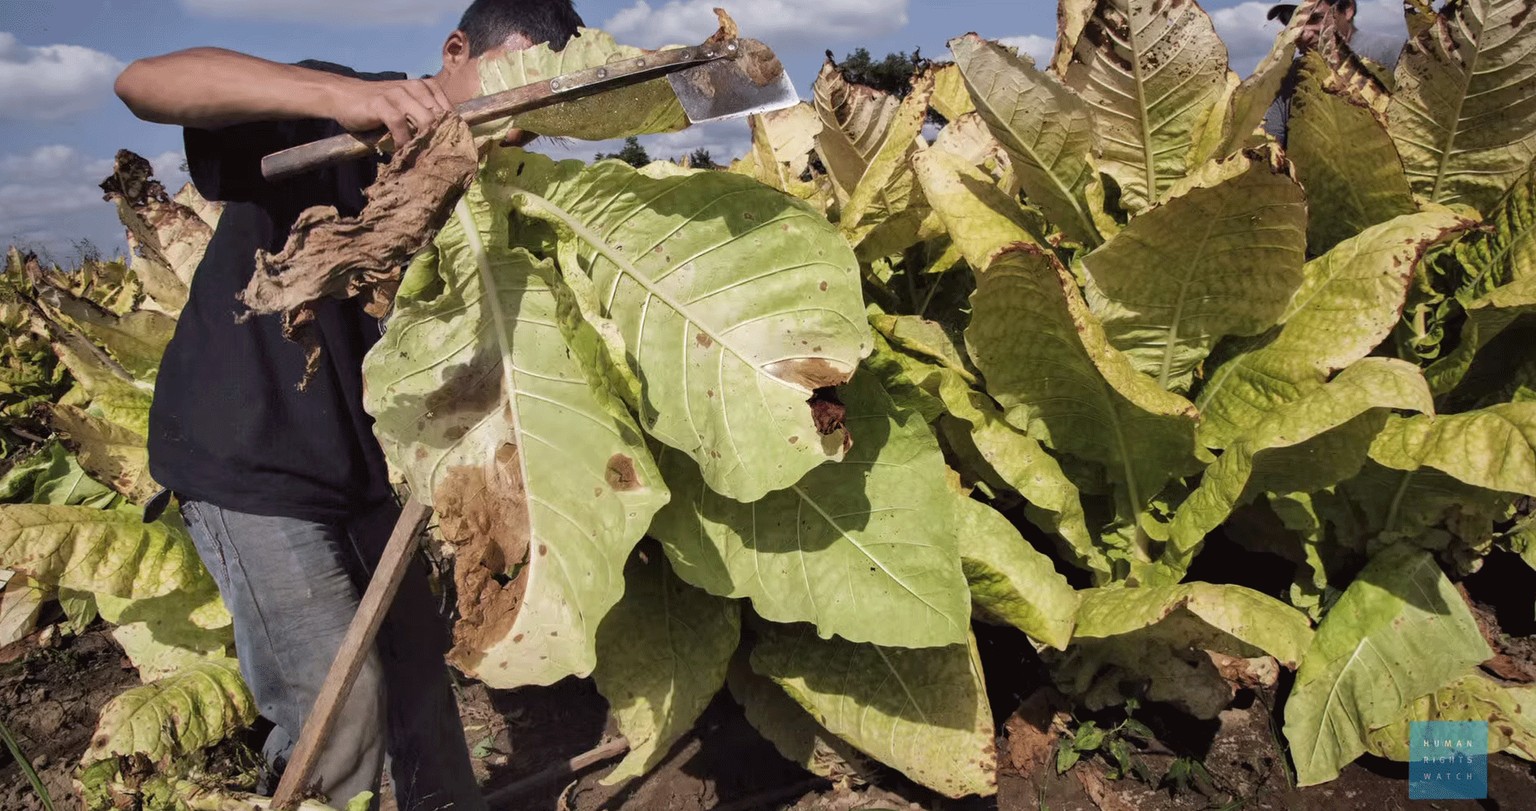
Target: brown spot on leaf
[[823, 287], [621, 474], [811, 373], [704, 340], [472, 388], [483, 511]]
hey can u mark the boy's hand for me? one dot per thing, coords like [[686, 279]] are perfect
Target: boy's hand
[[405, 108]]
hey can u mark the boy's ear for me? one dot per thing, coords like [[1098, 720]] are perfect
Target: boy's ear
[[456, 49]]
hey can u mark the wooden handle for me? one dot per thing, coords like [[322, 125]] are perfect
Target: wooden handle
[[348, 146], [313, 155], [573, 85], [349, 659]]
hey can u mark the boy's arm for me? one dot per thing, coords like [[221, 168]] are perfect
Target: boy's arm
[[209, 88]]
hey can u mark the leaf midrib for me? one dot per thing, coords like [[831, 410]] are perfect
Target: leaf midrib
[[1079, 207], [1455, 122], [626, 267]]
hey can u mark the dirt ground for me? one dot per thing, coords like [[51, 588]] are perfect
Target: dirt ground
[[522, 739]]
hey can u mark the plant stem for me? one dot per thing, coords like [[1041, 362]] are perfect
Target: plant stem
[[26, 766]]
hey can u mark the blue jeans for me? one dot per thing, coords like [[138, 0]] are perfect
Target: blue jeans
[[293, 587]]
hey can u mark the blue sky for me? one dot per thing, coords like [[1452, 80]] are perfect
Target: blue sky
[[60, 124]]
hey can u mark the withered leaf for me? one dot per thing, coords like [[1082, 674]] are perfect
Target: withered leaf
[[329, 255]]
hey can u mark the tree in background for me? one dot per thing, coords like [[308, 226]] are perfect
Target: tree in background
[[891, 74], [699, 159], [632, 153]]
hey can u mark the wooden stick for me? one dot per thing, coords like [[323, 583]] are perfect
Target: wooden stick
[[592, 757], [354, 649]]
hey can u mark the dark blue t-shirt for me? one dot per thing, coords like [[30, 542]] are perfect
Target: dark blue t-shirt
[[229, 424]]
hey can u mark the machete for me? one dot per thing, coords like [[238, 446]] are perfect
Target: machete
[[713, 81]]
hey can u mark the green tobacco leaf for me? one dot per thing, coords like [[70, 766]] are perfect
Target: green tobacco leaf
[[1401, 631], [1010, 581], [80, 610], [1501, 261], [175, 716], [1208, 616], [1344, 158], [1029, 316], [662, 654], [1348, 303], [102, 551], [864, 549], [1222, 258], [1022, 464], [1492, 448], [112, 392], [162, 635], [922, 712], [734, 303], [1462, 113], [980, 217], [928, 375], [903, 376], [535, 471], [21, 598], [109, 452], [791, 729], [1509, 711], [1164, 642], [1414, 505], [649, 107], [1154, 76], [782, 141], [855, 120], [1506, 253], [135, 339], [928, 340], [54, 476], [1488, 316], [951, 96], [1372, 385], [1046, 129], [885, 191]]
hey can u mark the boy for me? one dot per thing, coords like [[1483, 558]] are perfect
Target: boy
[[285, 492]]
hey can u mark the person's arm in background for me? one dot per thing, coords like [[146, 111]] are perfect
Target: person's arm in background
[[209, 88]]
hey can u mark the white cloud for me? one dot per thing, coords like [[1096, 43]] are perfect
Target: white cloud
[[50, 199], [1249, 34], [725, 141], [782, 22], [52, 82], [350, 12], [1035, 46]]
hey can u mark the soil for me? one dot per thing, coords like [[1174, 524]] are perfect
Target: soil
[[522, 739], [49, 699]]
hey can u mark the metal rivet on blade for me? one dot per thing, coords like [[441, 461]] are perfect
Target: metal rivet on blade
[[601, 73], [554, 84]]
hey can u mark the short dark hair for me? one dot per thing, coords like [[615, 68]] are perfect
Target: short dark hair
[[488, 23], [1284, 11]]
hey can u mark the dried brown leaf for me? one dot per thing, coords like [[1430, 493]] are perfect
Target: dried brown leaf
[[329, 255]]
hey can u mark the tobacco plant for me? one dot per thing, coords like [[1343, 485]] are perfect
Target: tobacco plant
[[788, 429]]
